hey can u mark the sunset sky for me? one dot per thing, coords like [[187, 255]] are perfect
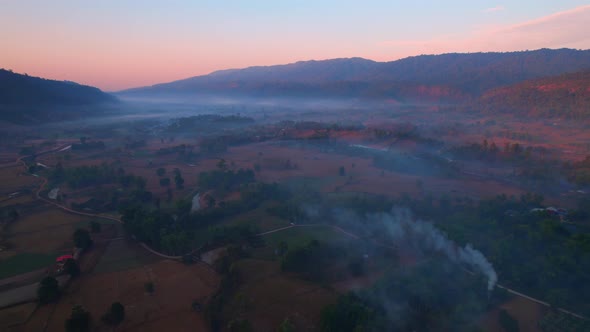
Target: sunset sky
[[121, 44]]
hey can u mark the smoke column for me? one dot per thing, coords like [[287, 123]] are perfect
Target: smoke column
[[424, 235]]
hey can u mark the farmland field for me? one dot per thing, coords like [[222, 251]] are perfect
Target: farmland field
[[144, 312]]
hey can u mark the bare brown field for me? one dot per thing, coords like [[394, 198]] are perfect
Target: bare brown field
[[176, 286], [363, 177], [47, 231], [16, 315], [527, 313], [19, 201], [266, 297], [14, 179]]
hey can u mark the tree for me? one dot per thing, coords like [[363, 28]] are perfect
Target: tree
[[48, 290], [507, 322], [79, 320], [282, 248], [161, 171], [71, 267], [348, 314], [82, 239], [287, 326], [222, 164], [240, 325], [115, 315], [149, 287], [356, 267], [95, 226], [178, 180]]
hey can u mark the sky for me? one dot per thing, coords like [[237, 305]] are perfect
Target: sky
[[119, 44]]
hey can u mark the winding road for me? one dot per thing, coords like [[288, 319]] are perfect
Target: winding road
[[146, 247]]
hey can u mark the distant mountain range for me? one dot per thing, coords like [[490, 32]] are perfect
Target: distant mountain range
[[447, 77], [24, 97], [542, 82]]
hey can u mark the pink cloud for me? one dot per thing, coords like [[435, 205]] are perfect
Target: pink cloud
[[494, 9], [561, 29]]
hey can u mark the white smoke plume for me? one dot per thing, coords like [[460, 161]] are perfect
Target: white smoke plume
[[402, 227]]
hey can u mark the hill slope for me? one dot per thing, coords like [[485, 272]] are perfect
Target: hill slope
[[565, 95], [34, 98], [17, 89], [447, 76]]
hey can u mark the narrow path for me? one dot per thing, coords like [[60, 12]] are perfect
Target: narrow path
[[145, 246], [512, 291], [69, 210]]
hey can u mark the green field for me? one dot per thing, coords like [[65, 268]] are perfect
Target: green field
[[121, 255], [25, 262], [299, 236]]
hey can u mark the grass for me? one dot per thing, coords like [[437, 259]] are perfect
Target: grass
[[16, 315], [86, 223], [121, 256], [299, 236], [25, 262], [267, 296], [257, 217]]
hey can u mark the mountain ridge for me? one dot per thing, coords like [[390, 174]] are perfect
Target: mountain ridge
[[26, 98], [468, 73]]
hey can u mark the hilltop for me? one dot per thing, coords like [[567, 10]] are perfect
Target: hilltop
[[33, 98], [452, 76]]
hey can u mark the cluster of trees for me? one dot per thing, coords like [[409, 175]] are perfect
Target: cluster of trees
[[301, 259], [428, 297], [165, 182], [181, 150], [86, 145], [80, 319], [421, 298], [215, 310], [159, 229], [578, 172], [423, 164], [174, 230], [82, 239], [399, 131], [213, 145], [531, 251], [86, 176], [491, 152], [8, 214], [224, 179], [206, 122], [531, 161], [564, 96]]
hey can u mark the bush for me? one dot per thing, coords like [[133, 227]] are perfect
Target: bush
[[82, 239], [48, 290], [165, 182], [95, 226], [149, 287], [79, 320], [115, 315], [161, 171], [508, 323], [71, 267]]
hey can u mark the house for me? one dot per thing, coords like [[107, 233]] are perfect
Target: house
[[61, 261]]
